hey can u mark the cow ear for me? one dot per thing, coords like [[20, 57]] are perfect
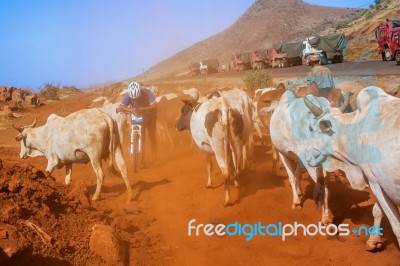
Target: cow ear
[[20, 137], [281, 86], [325, 126]]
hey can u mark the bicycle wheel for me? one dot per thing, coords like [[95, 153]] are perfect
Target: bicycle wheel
[[135, 152]]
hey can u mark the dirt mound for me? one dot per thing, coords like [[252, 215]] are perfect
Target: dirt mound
[[48, 217]]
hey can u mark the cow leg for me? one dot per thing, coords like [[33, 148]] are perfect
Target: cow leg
[[119, 160], [100, 177], [223, 164], [68, 169], [375, 242], [389, 208], [51, 164], [326, 216], [209, 171], [292, 172]]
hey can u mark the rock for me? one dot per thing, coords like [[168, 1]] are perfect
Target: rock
[[80, 193], [105, 243], [14, 247]]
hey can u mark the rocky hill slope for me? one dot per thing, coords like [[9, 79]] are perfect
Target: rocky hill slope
[[263, 24]]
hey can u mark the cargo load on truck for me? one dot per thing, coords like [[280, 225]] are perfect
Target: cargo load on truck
[[241, 61], [331, 47], [259, 59], [286, 54]]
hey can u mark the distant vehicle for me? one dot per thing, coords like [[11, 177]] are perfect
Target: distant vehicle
[[387, 37], [330, 48], [259, 59], [209, 66], [286, 54], [194, 69], [241, 61]]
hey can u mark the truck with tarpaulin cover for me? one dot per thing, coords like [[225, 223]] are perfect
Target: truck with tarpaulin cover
[[209, 66], [194, 69], [286, 54], [330, 48], [241, 61], [259, 59], [387, 35]]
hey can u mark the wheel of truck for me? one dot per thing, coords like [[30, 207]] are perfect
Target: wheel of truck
[[397, 57], [388, 55]]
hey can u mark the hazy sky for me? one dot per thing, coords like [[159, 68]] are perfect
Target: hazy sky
[[86, 42]]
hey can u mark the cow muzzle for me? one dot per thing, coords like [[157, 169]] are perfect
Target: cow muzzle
[[316, 158]]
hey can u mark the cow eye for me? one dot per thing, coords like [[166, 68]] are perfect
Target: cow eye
[[310, 128]]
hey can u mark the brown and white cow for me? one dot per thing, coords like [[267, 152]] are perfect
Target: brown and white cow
[[216, 129], [88, 135]]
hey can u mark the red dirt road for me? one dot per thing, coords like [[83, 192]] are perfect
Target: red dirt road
[[172, 193]]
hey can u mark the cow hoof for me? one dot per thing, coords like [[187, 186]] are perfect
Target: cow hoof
[[296, 206], [94, 198], [47, 173], [67, 182], [373, 245], [236, 184], [327, 221], [209, 186], [226, 204]]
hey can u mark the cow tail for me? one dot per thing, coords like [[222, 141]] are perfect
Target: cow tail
[[111, 144], [225, 114]]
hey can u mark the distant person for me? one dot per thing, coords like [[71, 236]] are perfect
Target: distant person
[[141, 102], [319, 76], [320, 79]]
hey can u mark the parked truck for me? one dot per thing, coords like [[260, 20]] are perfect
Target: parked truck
[[259, 59], [241, 61], [330, 48], [286, 54], [209, 66], [194, 69], [387, 37]]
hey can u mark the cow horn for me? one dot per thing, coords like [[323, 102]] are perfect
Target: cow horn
[[20, 129], [313, 108], [33, 124]]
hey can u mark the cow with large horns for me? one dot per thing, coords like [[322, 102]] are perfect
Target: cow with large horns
[[292, 133], [88, 135], [368, 138]]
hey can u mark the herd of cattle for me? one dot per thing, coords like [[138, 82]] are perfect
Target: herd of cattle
[[304, 130]]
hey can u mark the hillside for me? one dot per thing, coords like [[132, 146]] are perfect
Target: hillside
[[361, 31], [263, 24]]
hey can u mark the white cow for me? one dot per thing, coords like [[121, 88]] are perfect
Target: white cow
[[368, 138], [241, 102], [291, 134], [88, 135], [122, 119], [217, 129]]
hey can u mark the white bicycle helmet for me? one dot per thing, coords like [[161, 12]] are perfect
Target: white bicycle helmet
[[134, 90]]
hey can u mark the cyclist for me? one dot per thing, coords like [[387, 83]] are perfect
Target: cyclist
[[141, 102]]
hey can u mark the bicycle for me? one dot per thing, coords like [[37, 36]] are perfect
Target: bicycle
[[136, 141]]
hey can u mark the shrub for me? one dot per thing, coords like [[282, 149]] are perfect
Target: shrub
[[256, 80], [49, 91]]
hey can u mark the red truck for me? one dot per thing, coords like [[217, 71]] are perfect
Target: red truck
[[241, 61], [259, 59], [387, 36]]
